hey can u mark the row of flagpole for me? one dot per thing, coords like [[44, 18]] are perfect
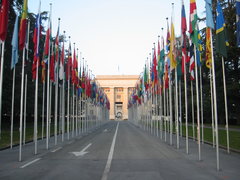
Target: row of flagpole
[[89, 104], [158, 104]]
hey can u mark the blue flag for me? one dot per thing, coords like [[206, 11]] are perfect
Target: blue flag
[[15, 44], [238, 22], [209, 16]]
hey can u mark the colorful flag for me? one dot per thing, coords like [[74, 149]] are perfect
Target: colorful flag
[[161, 60], [4, 19], [172, 53], [47, 41], [155, 77], [61, 67], [166, 78], [52, 66], [193, 22], [23, 26], [238, 21], [36, 39], [183, 38], [199, 50], [221, 40], [192, 62], [74, 68], [15, 44], [208, 48], [209, 16], [69, 63], [43, 75]]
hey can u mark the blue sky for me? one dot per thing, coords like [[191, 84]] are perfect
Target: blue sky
[[115, 36]]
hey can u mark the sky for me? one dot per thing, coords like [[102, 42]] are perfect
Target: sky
[[115, 37]]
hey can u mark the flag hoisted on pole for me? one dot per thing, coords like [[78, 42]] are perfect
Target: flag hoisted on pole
[[238, 21], [3, 35], [36, 40], [221, 48], [22, 46], [184, 60], [13, 63]]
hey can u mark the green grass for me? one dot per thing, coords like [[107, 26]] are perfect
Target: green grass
[[234, 136], [6, 134]]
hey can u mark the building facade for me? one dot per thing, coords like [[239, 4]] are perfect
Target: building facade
[[118, 88]]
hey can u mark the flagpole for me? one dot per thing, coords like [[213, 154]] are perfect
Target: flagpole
[[63, 109], [48, 88], [215, 104], [50, 109], [36, 109], [68, 107], [226, 103], [198, 109], [43, 107], [186, 104], [193, 124], [212, 108], [171, 110], [1, 84], [21, 106], [12, 112], [180, 106], [25, 109], [201, 96], [176, 111]]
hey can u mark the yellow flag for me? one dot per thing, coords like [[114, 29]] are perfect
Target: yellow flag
[[172, 53], [208, 48]]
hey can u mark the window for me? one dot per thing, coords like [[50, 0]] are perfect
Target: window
[[118, 96]]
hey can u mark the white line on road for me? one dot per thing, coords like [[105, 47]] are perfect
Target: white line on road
[[105, 130], [35, 160], [55, 150], [83, 151], [110, 156]]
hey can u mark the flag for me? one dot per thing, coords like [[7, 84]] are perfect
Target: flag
[[145, 78], [15, 44], [23, 25], [161, 59], [155, 77], [209, 16], [193, 22], [47, 41], [69, 63], [199, 50], [172, 53], [208, 48], [36, 39], [166, 78], [4, 19], [238, 21], [221, 40], [74, 68], [61, 67], [52, 66], [43, 76], [183, 37], [192, 62]]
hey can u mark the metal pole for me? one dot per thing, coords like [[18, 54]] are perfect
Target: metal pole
[[212, 108], [43, 107], [36, 110], [1, 83], [193, 124], [226, 103], [201, 96], [12, 112], [25, 109], [198, 108], [21, 106], [176, 110], [186, 105]]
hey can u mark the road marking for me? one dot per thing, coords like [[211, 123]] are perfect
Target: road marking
[[110, 156], [83, 151], [35, 160], [55, 150], [105, 130]]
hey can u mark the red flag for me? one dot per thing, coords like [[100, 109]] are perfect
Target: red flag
[[52, 67], [184, 44], [4, 19], [23, 26], [74, 68], [69, 63]]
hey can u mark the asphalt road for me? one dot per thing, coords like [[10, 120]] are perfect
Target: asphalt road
[[118, 150]]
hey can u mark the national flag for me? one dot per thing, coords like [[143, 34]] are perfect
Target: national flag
[[15, 44], [4, 19], [146, 78], [52, 66], [199, 50], [166, 78], [61, 67], [43, 75], [183, 37], [69, 63], [238, 21], [47, 41], [36, 39], [74, 68], [155, 77], [168, 40], [209, 16], [192, 62], [221, 40], [172, 53], [161, 59], [208, 48], [193, 22], [23, 25]]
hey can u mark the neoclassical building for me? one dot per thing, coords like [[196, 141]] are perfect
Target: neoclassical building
[[118, 88]]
